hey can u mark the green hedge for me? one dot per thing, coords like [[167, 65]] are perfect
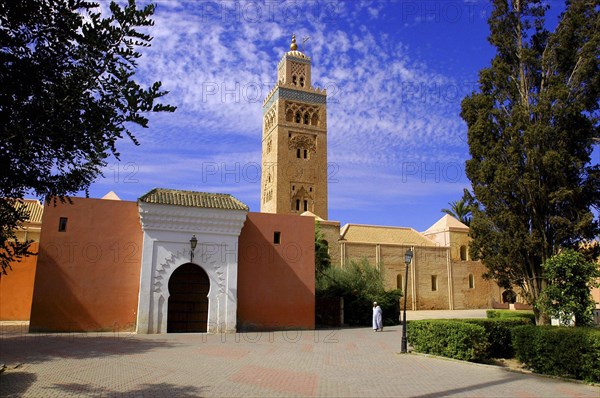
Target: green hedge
[[498, 333], [448, 338], [503, 314], [559, 351]]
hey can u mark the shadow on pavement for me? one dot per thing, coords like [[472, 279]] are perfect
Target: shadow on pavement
[[33, 348], [470, 389], [145, 390], [15, 383]]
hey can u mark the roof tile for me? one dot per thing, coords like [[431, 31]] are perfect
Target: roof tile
[[193, 199]]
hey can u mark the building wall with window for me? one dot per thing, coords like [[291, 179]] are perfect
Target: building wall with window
[[441, 274], [276, 273], [88, 271], [470, 290], [91, 253]]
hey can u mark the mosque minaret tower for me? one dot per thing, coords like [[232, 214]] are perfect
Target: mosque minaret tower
[[294, 141]]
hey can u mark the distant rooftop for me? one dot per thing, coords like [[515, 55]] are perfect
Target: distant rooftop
[[111, 196], [193, 199], [383, 234], [34, 208], [446, 223]]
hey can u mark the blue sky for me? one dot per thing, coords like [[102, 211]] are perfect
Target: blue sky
[[395, 72]]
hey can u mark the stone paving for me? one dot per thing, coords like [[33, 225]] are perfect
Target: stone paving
[[351, 362]]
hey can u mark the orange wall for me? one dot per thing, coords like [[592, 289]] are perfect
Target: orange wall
[[88, 277], [16, 289], [276, 283]]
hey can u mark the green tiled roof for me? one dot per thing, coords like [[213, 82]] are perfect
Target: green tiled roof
[[193, 199]]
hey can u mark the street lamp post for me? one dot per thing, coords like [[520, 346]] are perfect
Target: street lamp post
[[407, 259], [193, 243]]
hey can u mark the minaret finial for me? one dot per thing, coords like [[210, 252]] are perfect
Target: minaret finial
[[293, 46]]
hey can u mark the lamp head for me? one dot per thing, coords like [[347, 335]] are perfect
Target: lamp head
[[408, 256]]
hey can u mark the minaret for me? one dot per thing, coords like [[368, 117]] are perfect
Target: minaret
[[294, 141]]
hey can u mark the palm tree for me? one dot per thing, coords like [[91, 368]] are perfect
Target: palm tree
[[460, 210]]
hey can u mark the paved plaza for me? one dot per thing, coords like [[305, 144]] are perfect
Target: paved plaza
[[349, 362]]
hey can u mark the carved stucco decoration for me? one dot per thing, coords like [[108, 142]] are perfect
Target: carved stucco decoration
[[163, 268], [303, 141]]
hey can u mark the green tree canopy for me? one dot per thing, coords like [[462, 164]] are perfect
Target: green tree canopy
[[570, 278], [531, 128], [68, 95]]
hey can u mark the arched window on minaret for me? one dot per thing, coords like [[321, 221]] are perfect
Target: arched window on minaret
[[298, 117], [302, 201], [294, 80], [301, 82], [314, 120], [306, 118]]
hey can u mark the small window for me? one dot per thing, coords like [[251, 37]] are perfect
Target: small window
[[277, 237], [306, 154], [298, 117], [294, 80], [310, 189], [293, 187], [301, 82], [463, 253], [297, 204], [434, 284], [298, 152], [62, 224], [306, 205], [471, 281], [306, 118]]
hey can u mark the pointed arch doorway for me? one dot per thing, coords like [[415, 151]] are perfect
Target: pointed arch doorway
[[188, 300]]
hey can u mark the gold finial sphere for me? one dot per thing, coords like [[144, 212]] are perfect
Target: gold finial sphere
[[293, 46]]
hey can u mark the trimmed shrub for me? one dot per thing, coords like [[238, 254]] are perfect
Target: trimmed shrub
[[448, 338], [503, 314], [498, 333], [559, 351]]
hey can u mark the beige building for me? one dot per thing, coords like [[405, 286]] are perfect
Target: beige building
[[441, 275]]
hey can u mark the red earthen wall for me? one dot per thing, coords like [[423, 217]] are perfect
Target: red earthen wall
[[16, 288], [88, 277], [276, 282]]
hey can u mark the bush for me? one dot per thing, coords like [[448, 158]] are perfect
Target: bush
[[498, 333], [503, 314], [559, 351], [359, 284], [448, 338]]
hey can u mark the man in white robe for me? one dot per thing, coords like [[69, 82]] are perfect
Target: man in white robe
[[377, 317]]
